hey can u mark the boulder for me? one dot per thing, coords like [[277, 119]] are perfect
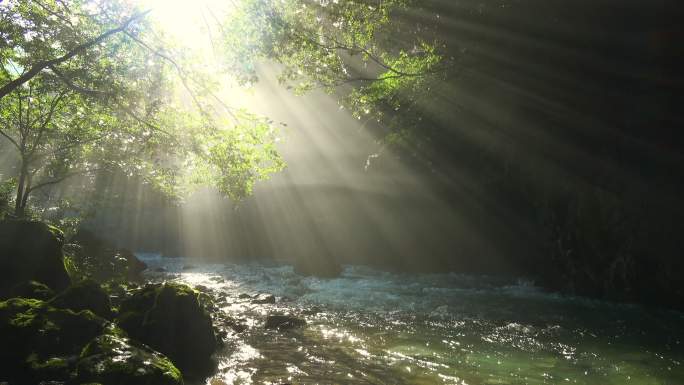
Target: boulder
[[32, 289], [113, 359], [84, 295], [44, 344], [171, 318], [134, 266], [31, 251], [283, 322], [103, 260], [40, 342], [263, 299]]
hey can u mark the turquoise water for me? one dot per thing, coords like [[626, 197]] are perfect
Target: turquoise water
[[372, 327]]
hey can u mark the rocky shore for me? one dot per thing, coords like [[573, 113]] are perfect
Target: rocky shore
[[80, 311]]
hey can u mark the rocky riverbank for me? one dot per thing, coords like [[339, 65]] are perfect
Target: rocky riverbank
[[68, 328]]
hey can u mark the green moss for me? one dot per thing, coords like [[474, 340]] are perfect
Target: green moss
[[44, 340], [30, 323], [115, 359], [41, 338], [84, 295], [32, 289], [50, 363], [59, 234], [20, 304], [171, 318]]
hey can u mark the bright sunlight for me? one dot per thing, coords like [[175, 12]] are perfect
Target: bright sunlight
[[356, 192]]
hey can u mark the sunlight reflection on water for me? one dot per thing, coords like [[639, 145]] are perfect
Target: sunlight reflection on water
[[369, 327]]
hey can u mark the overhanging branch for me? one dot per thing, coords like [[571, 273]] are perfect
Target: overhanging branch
[[36, 68]]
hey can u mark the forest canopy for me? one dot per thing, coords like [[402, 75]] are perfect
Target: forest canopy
[[97, 86]]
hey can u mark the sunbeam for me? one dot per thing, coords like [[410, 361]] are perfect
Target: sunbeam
[[341, 192]]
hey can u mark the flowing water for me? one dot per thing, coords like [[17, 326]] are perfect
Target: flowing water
[[373, 327]]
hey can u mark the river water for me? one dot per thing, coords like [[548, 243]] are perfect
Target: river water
[[374, 327]]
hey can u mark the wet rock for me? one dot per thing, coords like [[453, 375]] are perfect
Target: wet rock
[[312, 311], [105, 261], [112, 359], [189, 267], [134, 266], [244, 296], [237, 325], [283, 322], [172, 319], [32, 289], [84, 295], [262, 298], [31, 251], [440, 311]]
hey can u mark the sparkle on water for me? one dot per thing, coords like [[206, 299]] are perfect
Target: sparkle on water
[[372, 327]]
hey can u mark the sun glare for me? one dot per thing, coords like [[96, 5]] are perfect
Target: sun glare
[[192, 24]]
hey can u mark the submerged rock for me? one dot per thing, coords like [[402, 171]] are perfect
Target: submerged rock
[[31, 251], [263, 299], [172, 319], [112, 359], [283, 322], [84, 295]]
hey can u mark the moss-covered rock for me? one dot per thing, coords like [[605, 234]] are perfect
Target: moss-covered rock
[[172, 319], [113, 359], [103, 260], [48, 368], [39, 341], [32, 289], [31, 251], [42, 343], [84, 295]]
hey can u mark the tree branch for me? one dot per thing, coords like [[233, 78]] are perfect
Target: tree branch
[[100, 94], [181, 73], [38, 67], [57, 180], [46, 121], [14, 142]]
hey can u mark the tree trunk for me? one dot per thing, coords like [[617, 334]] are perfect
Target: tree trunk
[[20, 202]]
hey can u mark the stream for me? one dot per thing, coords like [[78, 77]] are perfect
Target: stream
[[374, 327]]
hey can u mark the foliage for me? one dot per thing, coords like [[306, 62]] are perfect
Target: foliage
[[115, 106], [329, 44], [7, 188]]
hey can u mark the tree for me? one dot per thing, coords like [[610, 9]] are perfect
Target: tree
[[30, 25], [330, 44], [113, 106]]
